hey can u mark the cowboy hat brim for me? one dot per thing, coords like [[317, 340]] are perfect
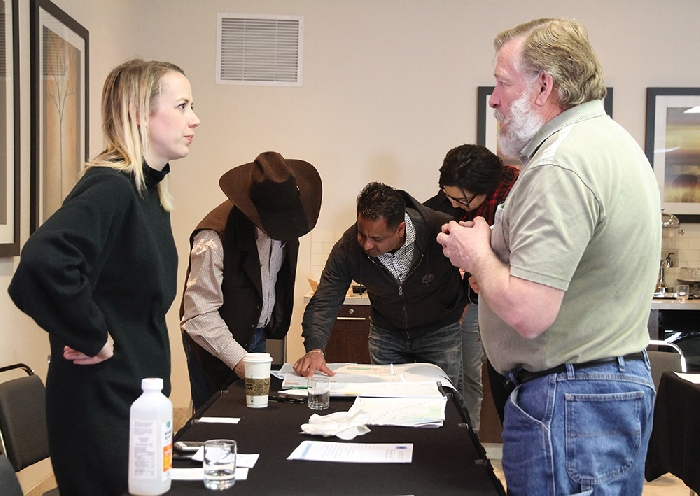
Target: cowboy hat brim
[[280, 211]]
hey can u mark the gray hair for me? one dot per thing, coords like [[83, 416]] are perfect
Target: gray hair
[[560, 48]]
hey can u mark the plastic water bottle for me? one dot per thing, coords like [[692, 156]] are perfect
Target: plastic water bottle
[[150, 440]]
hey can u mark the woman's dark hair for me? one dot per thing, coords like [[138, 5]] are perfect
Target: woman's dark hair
[[472, 168], [379, 201]]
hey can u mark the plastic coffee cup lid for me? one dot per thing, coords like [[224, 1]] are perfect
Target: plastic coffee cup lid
[[257, 357]]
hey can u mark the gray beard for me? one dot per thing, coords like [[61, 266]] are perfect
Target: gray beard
[[523, 125]]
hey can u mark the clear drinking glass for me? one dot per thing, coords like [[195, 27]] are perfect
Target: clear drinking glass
[[319, 392], [219, 464]]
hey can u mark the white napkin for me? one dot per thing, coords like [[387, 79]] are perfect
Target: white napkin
[[344, 425], [218, 420]]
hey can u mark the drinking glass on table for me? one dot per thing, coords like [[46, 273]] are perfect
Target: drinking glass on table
[[219, 464], [319, 392]]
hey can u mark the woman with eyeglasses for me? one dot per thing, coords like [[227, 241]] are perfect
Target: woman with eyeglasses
[[474, 181]]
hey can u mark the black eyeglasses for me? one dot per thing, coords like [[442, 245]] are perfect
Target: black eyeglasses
[[462, 201]]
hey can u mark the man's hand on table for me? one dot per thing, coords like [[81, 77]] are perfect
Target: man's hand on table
[[311, 362]]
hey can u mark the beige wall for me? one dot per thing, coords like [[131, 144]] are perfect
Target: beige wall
[[388, 87]]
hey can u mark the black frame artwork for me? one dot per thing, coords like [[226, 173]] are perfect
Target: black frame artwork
[[59, 102], [10, 131], [671, 145]]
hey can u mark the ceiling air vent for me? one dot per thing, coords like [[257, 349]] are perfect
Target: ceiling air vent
[[259, 50]]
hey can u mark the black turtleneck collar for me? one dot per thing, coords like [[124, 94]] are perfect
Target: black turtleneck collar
[[152, 176]]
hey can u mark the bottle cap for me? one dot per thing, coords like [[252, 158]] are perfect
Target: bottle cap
[[152, 383]]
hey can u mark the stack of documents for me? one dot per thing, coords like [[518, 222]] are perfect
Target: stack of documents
[[402, 412], [384, 381]]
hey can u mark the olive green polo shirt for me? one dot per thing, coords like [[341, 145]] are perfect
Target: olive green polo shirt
[[583, 217]]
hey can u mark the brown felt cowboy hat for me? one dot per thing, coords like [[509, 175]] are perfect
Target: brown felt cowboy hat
[[282, 197]]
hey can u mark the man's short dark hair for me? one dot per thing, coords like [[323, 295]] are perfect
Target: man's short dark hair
[[379, 201]]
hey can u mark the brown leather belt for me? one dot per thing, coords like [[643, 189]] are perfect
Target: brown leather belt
[[522, 376]]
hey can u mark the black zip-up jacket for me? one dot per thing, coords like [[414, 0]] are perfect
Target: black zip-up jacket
[[431, 297]]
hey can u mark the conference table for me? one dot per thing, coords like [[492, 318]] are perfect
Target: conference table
[[675, 439], [446, 460]]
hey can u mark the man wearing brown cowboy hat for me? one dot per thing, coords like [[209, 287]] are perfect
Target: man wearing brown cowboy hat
[[240, 282]]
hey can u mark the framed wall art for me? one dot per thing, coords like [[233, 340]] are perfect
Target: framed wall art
[[672, 145], [9, 129], [487, 126], [59, 102]]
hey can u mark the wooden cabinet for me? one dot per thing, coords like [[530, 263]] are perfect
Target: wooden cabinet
[[349, 338]]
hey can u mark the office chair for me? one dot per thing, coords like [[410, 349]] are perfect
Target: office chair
[[23, 435], [671, 359]]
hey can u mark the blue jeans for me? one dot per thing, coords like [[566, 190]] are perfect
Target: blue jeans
[[442, 347], [472, 355], [200, 389], [258, 344], [580, 432]]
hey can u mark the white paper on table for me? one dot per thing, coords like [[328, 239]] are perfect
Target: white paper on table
[[349, 376], [389, 390], [242, 460], [366, 370], [378, 390], [402, 412], [217, 420], [422, 372], [321, 451], [694, 378], [198, 473], [294, 381]]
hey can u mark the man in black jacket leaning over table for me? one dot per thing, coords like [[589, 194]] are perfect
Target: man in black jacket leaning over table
[[417, 297]]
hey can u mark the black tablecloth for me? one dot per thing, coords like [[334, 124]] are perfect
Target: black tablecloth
[[446, 460], [675, 439]]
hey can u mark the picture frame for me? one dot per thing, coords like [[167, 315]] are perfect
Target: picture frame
[[672, 145], [59, 107], [487, 126], [9, 130]]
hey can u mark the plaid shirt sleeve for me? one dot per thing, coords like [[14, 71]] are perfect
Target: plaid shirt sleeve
[[487, 209]]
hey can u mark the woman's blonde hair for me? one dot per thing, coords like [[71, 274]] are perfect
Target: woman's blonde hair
[[130, 91], [560, 48]]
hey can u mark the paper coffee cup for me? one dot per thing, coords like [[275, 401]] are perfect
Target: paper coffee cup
[[257, 379]]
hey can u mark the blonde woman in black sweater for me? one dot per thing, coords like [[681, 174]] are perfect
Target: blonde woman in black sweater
[[100, 274]]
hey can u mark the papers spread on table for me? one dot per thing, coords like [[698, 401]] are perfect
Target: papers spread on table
[[402, 412], [198, 473], [321, 451], [403, 380], [694, 378]]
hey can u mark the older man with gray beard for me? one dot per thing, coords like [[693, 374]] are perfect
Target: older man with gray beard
[[567, 273]]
